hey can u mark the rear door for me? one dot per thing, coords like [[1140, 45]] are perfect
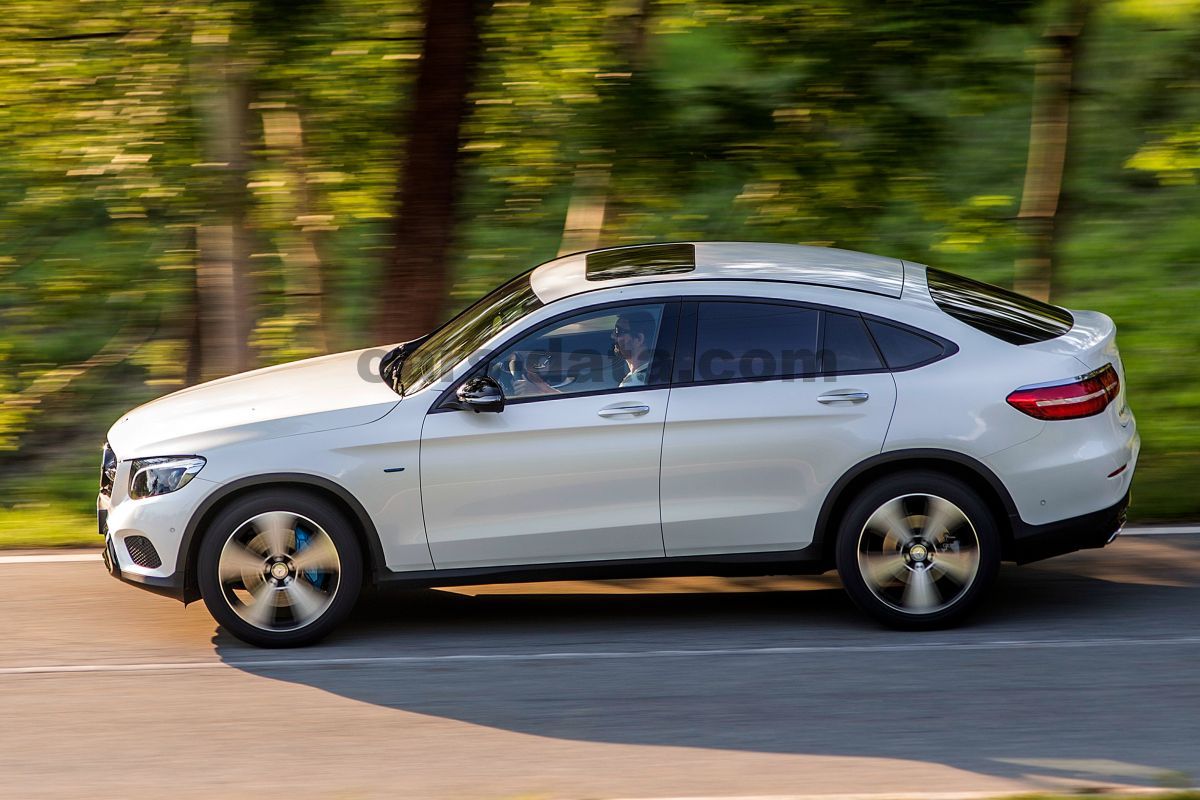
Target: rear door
[[778, 400]]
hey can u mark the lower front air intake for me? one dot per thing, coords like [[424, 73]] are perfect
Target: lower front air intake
[[142, 552]]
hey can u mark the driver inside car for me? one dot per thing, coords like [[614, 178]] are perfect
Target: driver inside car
[[632, 337]]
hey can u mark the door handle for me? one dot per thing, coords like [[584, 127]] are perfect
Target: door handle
[[636, 410], [843, 396]]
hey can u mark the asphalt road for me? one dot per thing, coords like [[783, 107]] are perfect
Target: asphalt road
[[1080, 672]]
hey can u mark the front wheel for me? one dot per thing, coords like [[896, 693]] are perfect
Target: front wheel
[[280, 568], [918, 550]]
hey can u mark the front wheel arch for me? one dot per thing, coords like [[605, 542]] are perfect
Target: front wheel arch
[[363, 527]]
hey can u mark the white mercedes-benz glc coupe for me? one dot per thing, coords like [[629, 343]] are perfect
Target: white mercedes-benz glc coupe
[[670, 409]]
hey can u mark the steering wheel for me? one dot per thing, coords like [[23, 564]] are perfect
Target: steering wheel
[[503, 373]]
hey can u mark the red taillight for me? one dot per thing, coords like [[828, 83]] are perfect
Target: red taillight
[[1085, 396]]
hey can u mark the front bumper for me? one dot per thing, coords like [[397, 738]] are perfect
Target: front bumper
[[171, 586], [154, 525], [1036, 542]]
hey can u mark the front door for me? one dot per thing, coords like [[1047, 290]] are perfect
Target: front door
[[568, 471]]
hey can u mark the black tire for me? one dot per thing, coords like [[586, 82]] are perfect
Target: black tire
[[245, 529], [932, 579]]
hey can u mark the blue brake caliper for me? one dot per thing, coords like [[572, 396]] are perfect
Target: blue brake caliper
[[303, 537]]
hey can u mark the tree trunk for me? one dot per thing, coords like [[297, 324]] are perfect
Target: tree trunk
[[590, 204], [222, 280], [1049, 137], [302, 274], [585, 213], [195, 329], [414, 281]]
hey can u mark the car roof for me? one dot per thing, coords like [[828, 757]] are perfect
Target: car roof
[[791, 263]]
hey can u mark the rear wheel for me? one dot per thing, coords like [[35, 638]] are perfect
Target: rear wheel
[[280, 568], [918, 550]]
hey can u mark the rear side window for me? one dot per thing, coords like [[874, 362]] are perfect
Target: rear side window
[[1006, 315], [847, 346], [740, 341], [903, 348]]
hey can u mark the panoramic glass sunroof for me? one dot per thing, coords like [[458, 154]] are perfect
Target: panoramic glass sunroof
[[638, 262]]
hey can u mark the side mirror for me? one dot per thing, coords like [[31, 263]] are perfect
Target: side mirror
[[393, 360], [481, 394]]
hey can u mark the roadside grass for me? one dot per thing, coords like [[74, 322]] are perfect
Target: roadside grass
[[1166, 791], [46, 527]]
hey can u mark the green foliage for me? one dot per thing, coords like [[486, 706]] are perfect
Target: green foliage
[[897, 128], [43, 526]]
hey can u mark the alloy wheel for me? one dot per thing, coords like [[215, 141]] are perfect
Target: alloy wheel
[[918, 554], [279, 571]]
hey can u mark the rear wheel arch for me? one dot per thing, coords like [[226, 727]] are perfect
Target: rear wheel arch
[[364, 528], [955, 465]]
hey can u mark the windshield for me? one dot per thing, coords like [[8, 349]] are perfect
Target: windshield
[[463, 335]]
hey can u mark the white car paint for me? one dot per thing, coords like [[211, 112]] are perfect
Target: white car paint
[[544, 482], [746, 466], [709, 469], [750, 261], [316, 394]]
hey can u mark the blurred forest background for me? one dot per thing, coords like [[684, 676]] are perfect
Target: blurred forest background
[[190, 189]]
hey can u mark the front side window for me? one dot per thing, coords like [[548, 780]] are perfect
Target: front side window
[[594, 351], [747, 341], [466, 333]]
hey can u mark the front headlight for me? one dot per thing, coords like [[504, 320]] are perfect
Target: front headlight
[[154, 476]]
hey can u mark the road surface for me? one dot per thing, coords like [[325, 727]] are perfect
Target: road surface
[[1080, 672]]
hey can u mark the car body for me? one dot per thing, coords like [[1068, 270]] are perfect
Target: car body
[[693, 408]]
